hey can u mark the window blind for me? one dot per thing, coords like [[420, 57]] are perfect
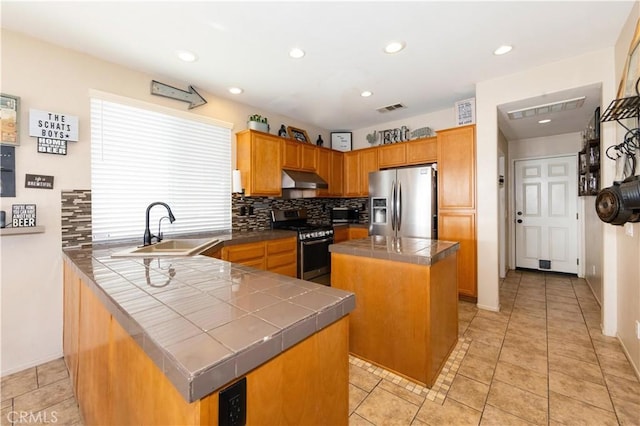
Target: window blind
[[139, 156]]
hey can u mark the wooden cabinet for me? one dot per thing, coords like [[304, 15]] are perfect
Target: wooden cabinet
[[324, 170], [393, 155], [421, 151], [282, 256], [336, 179], [357, 165], [357, 233], [259, 159], [457, 200], [299, 156], [250, 254], [340, 234], [279, 256]]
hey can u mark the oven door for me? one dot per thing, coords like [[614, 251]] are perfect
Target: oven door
[[314, 258]]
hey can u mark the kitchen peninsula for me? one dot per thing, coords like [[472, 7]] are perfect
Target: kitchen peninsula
[[406, 316], [158, 340]]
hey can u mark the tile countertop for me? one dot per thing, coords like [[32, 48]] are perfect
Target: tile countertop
[[422, 251], [204, 321]]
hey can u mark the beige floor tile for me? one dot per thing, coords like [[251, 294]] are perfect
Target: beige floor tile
[[576, 368], [402, 392], [577, 336], [384, 408], [569, 301], [6, 415], [514, 340], [569, 411], [522, 378], [51, 372], [617, 367], [571, 350], [628, 390], [485, 337], [18, 383], [628, 412], [484, 324], [417, 422], [468, 392], [580, 390], [6, 403], [561, 316], [477, 368], [356, 420], [523, 317], [361, 378], [609, 350], [535, 333], [449, 413], [531, 295], [483, 350], [63, 413], [44, 397], [531, 305], [534, 312], [492, 416], [526, 405], [530, 361], [496, 317], [356, 396]]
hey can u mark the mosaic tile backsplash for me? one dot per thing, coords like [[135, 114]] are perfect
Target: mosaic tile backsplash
[[76, 213]]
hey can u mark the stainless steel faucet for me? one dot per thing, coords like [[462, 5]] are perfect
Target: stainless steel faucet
[[148, 236]]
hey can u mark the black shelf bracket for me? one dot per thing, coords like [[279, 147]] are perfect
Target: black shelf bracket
[[620, 109]]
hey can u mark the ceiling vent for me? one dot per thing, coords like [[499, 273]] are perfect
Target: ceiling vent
[[565, 105], [389, 108]]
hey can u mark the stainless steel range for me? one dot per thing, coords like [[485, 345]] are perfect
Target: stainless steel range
[[314, 258]]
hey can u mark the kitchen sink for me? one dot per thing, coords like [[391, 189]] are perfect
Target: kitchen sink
[[174, 247]]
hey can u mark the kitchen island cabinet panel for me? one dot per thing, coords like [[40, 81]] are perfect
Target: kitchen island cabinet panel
[[71, 309]]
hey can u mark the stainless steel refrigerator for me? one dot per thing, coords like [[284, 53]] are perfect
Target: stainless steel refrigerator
[[403, 202]]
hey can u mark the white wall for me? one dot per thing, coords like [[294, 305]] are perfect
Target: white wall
[[590, 68], [53, 78], [438, 120], [627, 248]]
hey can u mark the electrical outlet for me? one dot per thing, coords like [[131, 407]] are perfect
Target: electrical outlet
[[638, 329], [232, 404], [628, 229], [593, 269]]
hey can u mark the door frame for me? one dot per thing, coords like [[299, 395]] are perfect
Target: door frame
[[512, 210]]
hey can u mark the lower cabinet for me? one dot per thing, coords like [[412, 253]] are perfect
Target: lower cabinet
[[345, 233], [279, 256], [461, 226]]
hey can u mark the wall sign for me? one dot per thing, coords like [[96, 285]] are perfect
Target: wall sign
[[465, 111], [24, 215], [7, 171], [341, 141], [52, 146], [38, 181], [9, 119], [52, 125]]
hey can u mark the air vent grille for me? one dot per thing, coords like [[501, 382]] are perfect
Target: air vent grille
[[565, 105], [389, 108]]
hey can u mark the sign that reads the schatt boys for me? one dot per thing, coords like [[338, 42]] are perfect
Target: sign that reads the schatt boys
[[53, 125]]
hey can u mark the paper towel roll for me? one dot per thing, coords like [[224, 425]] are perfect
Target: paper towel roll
[[236, 181]]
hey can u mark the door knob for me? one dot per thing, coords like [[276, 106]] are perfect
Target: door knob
[[519, 220]]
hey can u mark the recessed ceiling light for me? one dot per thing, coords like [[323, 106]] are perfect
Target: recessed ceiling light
[[502, 50], [545, 121], [394, 47], [366, 93], [235, 90], [296, 53], [187, 56]]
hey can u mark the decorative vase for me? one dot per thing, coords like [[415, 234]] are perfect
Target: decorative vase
[[255, 125]]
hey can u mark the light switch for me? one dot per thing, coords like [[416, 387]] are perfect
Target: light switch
[[628, 229]]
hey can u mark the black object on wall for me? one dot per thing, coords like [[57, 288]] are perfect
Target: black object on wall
[[7, 171], [620, 203]]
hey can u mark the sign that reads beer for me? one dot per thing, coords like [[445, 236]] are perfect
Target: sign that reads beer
[[52, 146], [23, 215], [53, 125]]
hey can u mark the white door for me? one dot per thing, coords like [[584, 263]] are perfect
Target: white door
[[545, 214]]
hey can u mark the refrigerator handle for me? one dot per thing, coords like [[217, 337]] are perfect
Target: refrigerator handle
[[392, 206], [399, 206]]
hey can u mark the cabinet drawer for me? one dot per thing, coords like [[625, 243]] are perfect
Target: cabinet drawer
[[254, 263], [288, 270], [279, 246], [275, 260], [242, 252]]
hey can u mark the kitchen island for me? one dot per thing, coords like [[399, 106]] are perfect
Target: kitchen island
[[156, 340], [406, 316]]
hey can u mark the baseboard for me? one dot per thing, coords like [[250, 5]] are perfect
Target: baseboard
[[31, 364], [626, 353], [488, 308]]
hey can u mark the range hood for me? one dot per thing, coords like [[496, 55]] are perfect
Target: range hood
[[293, 179]]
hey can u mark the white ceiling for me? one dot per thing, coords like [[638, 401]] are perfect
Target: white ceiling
[[245, 44]]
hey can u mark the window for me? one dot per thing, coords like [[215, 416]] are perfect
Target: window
[[141, 153]]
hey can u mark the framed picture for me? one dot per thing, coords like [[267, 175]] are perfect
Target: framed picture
[[341, 141], [10, 119], [631, 74], [298, 134]]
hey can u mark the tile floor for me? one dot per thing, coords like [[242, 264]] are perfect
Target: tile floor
[[541, 360]]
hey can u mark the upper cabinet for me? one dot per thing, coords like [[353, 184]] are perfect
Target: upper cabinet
[[357, 165], [393, 155], [457, 168], [299, 156], [421, 151], [259, 159]]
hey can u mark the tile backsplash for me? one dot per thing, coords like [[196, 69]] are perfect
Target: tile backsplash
[[76, 213]]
